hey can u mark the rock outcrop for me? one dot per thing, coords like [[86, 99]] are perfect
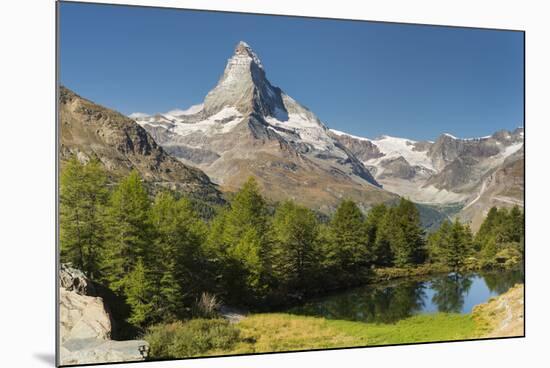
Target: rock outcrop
[[85, 326], [504, 313], [89, 130]]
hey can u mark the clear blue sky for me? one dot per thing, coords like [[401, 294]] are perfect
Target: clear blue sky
[[364, 78]]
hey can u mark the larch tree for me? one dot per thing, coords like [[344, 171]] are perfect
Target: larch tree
[[295, 235], [349, 237], [83, 195], [128, 231]]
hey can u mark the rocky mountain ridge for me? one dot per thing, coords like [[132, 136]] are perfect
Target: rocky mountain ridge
[[448, 171], [88, 130]]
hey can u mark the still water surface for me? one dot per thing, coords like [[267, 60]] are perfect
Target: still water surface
[[391, 301]]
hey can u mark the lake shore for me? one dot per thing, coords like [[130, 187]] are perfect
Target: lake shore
[[504, 314], [501, 316]]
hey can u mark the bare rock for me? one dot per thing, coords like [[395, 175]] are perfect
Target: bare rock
[[82, 317], [106, 351], [85, 325], [72, 279]]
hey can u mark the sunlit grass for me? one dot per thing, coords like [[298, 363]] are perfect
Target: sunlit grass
[[285, 332]]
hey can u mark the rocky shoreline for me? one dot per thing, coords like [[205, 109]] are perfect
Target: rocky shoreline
[[503, 314], [85, 326]]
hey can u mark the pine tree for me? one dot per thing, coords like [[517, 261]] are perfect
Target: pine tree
[[245, 240], [400, 246], [489, 250], [139, 295], [128, 232], [515, 231], [409, 220], [83, 195], [164, 218], [180, 237], [438, 242], [385, 235], [349, 237], [487, 228], [295, 234], [457, 248], [380, 255]]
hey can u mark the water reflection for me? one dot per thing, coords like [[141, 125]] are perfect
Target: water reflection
[[392, 301], [450, 291]]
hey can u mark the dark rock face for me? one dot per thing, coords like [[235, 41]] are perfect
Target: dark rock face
[[397, 167], [422, 146], [73, 279], [193, 155], [504, 186], [465, 161], [446, 149], [89, 130], [456, 173], [362, 149]]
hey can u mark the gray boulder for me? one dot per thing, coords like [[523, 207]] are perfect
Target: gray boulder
[[91, 351], [85, 325]]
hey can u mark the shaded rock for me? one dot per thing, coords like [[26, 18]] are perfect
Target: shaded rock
[[72, 279]]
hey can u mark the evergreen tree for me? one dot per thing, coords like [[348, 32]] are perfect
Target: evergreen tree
[[381, 254], [412, 249], [242, 235], [295, 234], [83, 194], [387, 234], [176, 259], [349, 238], [458, 246], [128, 232], [439, 241], [487, 228], [504, 227], [515, 228], [489, 250], [139, 295]]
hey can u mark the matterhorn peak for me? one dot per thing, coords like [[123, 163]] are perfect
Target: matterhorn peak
[[244, 51], [244, 86]]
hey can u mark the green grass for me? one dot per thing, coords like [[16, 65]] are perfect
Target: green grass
[[285, 332], [421, 328]]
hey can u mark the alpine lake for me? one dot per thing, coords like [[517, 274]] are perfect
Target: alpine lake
[[391, 301]]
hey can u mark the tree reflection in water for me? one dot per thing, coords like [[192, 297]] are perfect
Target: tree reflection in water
[[392, 301], [449, 292], [499, 283], [380, 304]]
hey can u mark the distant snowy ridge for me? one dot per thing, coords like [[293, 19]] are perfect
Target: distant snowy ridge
[[393, 147]]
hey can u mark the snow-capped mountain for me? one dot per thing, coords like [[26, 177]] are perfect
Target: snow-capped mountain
[[448, 171], [248, 127]]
